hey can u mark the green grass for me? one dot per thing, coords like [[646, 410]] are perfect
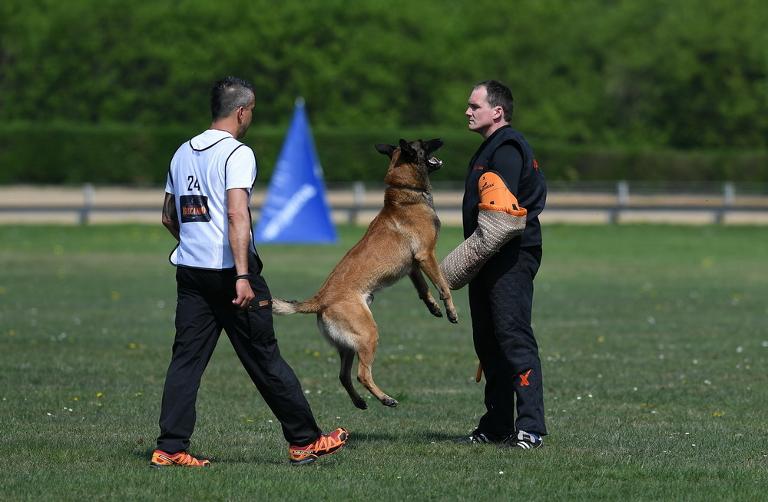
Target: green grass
[[653, 343]]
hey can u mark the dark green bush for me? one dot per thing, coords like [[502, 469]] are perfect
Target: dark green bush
[[140, 156], [684, 74]]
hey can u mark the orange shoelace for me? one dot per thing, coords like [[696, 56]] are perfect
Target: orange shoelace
[[325, 443], [184, 458]]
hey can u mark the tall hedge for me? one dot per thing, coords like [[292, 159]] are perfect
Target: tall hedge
[[683, 74], [31, 153]]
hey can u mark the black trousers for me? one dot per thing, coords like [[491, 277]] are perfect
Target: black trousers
[[204, 308], [501, 300]]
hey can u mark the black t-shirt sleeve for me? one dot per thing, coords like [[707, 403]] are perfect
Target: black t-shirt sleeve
[[507, 161]]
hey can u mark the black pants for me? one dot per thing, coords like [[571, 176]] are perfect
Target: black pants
[[501, 300], [204, 308]]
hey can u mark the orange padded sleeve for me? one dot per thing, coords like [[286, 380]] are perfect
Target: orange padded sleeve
[[495, 196]]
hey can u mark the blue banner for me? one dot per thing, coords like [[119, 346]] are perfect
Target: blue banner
[[295, 209]]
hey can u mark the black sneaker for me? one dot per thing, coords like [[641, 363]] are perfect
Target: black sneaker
[[478, 437], [524, 440]]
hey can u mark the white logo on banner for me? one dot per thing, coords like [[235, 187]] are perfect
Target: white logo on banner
[[289, 212]]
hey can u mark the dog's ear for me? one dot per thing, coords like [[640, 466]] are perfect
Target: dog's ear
[[432, 145], [386, 149], [406, 148]]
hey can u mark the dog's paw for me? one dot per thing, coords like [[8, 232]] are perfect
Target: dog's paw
[[434, 309], [453, 317], [388, 401], [360, 403]]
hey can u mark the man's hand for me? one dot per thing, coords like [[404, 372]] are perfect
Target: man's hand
[[244, 294]]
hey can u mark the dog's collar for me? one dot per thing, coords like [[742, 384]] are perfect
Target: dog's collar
[[415, 189], [424, 192]]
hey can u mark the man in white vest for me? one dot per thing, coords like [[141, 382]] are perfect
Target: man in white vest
[[219, 286]]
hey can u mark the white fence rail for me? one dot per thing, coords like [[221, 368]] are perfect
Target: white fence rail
[[356, 203]]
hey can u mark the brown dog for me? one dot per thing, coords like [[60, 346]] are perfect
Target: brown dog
[[400, 240]]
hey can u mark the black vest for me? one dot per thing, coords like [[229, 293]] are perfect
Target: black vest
[[532, 187]]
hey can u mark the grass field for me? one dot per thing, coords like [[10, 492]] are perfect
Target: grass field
[[654, 344]]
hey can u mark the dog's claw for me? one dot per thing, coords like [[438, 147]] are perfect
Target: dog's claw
[[453, 317], [388, 401], [433, 307]]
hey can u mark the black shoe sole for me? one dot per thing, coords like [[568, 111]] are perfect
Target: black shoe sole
[[308, 460], [516, 446], [311, 459], [158, 466]]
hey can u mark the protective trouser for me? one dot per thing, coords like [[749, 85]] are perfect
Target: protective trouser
[[204, 308], [501, 300]]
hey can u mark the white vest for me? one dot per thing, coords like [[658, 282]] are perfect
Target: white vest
[[201, 172]]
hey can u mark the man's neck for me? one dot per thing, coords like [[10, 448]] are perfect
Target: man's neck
[[222, 125], [493, 128]]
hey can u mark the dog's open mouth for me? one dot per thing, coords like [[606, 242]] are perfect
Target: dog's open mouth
[[434, 163]]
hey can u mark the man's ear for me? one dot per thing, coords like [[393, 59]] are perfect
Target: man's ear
[[385, 149]]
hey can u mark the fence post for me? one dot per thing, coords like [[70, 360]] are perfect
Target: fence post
[[88, 193], [358, 198], [729, 195], [622, 200]]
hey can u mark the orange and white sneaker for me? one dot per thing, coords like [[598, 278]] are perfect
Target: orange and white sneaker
[[324, 445], [180, 459]]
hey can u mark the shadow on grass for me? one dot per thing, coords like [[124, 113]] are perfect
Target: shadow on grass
[[230, 458], [253, 457], [233, 458], [415, 436]]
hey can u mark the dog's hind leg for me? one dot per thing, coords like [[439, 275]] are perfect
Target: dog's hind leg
[[354, 321], [350, 326], [347, 357], [423, 290], [365, 356]]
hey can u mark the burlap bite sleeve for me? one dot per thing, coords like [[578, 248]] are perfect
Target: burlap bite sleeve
[[499, 220], [494, 229]]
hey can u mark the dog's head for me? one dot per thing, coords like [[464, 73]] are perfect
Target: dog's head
[[411, 162]]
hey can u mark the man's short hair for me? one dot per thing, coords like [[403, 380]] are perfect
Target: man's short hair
[[228, 94], [499, 95]]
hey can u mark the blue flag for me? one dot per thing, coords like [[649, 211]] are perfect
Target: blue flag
[[295, 209]]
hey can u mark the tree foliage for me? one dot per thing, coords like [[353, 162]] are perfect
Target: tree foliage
[[685, 74], [636, 74]]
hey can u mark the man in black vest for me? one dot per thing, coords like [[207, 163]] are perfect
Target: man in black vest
[[501, 295]]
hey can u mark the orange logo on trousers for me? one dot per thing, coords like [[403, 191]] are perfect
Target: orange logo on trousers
[[524, 378]]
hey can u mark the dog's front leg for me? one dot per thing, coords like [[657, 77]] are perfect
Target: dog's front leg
[[428, 263], [424, 294]]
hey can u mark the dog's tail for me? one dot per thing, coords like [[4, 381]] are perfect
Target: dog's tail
[[285, 307]]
